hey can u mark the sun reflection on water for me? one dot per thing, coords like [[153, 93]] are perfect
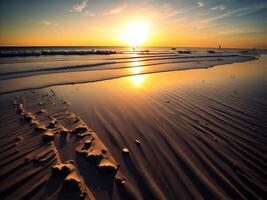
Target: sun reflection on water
[[138, 80], [136, 69]]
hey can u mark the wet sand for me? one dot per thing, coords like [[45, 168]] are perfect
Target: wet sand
[[194, 134]]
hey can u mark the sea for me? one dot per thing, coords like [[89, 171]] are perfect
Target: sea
[[32, 59]]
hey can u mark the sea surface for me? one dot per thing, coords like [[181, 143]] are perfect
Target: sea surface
[[14, 59], [104, 63]]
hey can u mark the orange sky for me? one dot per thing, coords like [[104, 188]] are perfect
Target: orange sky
[[88, 23]]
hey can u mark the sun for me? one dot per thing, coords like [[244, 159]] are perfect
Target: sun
[[136, 33]]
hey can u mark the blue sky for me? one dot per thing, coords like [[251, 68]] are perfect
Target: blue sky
[[174, 23]]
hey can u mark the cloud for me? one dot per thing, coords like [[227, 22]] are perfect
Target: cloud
[[210, 21], [220, 7], [200, 4], [49, 23], [224, 15], [169, 11], [116, 10], [79, 7], [88, 14], [251, 10]]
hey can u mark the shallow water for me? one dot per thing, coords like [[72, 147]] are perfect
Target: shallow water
[[21, 73], [19, 64]]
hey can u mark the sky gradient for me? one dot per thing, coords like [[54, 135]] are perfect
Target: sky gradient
[[183, 23]]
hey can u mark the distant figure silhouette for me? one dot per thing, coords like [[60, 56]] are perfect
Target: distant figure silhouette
[[220, 47]]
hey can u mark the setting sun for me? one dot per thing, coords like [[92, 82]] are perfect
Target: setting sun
[[136, 33]]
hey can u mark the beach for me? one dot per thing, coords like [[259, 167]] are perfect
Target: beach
[[158, 124]]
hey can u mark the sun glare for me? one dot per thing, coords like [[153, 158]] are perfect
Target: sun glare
[[136, 33], [138, 80], [136, 69]]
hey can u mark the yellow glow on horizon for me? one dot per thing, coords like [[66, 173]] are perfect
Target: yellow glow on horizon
[[136, 33], [129, 28]]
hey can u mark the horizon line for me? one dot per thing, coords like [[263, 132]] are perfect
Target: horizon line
[[39, 46]]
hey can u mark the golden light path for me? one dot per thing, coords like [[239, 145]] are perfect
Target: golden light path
[[137, 80]]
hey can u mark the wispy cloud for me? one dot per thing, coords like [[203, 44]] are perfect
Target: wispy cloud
[[219, 7], [79, 7], [49, 23], [207, 22], [88, 14], [250, 10], [224, 15], [168, 14], [169, 11], [200, 4], [116, 10]]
